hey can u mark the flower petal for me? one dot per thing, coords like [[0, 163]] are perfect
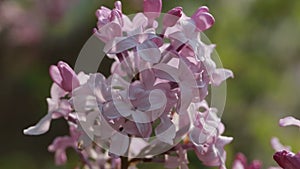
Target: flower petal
[[171, 18], [55, 75], [289, 121], [119, 144], [149, 51], [277, 146], [120, 44], [166, 131], [203, 19], [220, 75], [41, 127], [152, 8], [287, 160]]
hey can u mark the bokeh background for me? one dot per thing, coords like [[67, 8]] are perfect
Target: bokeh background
[[258, 40]]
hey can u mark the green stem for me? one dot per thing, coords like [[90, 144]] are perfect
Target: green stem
[[124, 163]]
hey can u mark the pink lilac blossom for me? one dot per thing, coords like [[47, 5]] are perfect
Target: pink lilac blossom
[[240, 162], [60, 144], [287, 160], [288, 121], [283, 156], [151, 100]]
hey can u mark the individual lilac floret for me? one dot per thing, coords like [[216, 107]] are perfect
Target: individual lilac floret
[[60, 144], [206, 136], [106, 15], [64, 76], [277, 146], [240, 162], [203, 19], [109, 23], [171, 18], [57, 107], [289, 121], [287, 160], [152, 9]]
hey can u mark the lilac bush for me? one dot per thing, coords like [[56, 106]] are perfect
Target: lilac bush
[[153, 107]]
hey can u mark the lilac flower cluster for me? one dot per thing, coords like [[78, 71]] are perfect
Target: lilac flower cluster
[[152, 107]]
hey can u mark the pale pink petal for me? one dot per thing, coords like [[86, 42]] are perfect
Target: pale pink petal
[[277, 146], [103, 15], [141, 116], [171, 18], [139, 22], [148, 78], [120, 44], [152, 8], [116, 109], [240, 162], [157, 99], [202, 9], [118, 5], [111, 112], [116, 16], [83, 100], [178, 38], [55, 75], [197, 136], [289, 121], [70, 80], [63, 110], [215, 155], [136, 146], [60, 144], [119, 144], [130, 127], [104, 130], [109, 32], [82, 77], [64, 76], [57, 92], [256, 164], [41, 127], [149, 51], [220, 75], [203, 19], [238, 165], [145, 129], [166, 131]]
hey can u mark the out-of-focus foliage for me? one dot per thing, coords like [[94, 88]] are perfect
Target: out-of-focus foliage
[[258, 40]]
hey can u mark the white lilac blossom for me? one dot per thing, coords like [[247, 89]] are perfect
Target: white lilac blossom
[[153, 99]]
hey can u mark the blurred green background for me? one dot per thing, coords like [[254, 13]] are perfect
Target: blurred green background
[[258, 40]]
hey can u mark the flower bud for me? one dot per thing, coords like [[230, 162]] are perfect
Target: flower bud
[[171, 18], [203, 19], [152, 8], [64, 76]]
